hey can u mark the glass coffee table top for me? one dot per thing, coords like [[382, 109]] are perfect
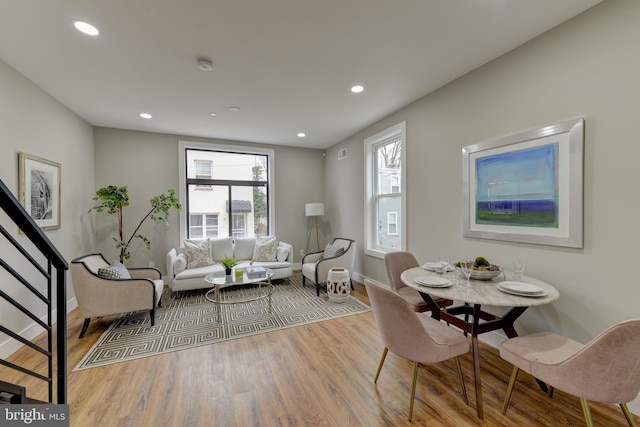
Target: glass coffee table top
[[220, 280]]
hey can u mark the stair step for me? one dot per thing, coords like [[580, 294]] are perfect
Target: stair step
[[15, 394]]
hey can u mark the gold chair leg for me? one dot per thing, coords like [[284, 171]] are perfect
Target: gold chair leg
[[413, 389], [512, 381], [628, 415], [586, 411], [384, 355], [464, 390]]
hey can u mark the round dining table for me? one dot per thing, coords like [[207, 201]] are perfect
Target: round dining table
[[469, 316]]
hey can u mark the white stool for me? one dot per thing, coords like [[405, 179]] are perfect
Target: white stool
[[338, 284]]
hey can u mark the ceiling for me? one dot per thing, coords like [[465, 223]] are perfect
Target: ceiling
[[288, 65]]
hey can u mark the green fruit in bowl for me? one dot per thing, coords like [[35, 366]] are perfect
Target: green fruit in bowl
[[482, 262]]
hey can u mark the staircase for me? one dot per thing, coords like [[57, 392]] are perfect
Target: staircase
[[46, 265]]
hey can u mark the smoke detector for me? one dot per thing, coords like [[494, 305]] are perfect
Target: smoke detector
[[204, 64]]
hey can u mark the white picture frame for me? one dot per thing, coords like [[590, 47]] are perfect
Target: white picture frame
[[526, 187]]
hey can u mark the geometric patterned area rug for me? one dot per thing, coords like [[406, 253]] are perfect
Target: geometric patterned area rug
[[189, 320]]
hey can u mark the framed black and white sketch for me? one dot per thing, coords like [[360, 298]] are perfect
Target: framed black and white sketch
[[526, 187], [40, 190]]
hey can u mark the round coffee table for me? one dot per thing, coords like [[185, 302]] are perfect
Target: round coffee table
[[220, 280]]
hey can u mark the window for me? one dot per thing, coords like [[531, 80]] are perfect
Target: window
[[384, 199], [239, 229], [392, 223], [203, 225], [237, 203], [203, 171]]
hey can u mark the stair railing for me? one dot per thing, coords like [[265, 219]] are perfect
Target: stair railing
[[55, 272]]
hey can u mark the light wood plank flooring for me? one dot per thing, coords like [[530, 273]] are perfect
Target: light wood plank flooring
[[314, 375]]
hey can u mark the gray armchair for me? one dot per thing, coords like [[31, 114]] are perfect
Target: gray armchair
[[315, 266], [98, 296]]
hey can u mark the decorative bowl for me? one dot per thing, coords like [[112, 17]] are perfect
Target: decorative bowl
[[482, 275]]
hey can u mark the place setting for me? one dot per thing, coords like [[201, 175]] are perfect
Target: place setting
[[517, 286], [433, 281]]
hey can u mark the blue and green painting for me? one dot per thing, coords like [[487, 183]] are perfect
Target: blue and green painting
[[518, 188]]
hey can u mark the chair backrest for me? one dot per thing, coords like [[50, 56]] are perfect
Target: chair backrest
[[349, 256], [401, 330], [607, 368], [90, 263], [396, 263]]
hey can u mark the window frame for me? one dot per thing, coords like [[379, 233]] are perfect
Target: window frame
[[371, 143], [183, 146]]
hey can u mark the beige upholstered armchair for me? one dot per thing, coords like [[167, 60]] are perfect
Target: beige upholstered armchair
[[127, 290], [316, 265]]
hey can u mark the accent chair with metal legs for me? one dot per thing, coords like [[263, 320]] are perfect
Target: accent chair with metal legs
[[606, 369], [414, 336]]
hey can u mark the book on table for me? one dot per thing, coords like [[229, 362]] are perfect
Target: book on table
[[255, 272]]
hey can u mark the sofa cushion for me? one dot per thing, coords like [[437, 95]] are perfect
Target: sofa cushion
[[244, 247], [266, 249], [198, 272], [198, 254], [222, 247], [115, 271]]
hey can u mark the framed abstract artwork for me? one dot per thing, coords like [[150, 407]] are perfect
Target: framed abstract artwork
[[526, 187], [40, 190]]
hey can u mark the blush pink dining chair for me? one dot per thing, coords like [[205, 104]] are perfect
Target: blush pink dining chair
[[606, 369], [414, 336], [397, 262]]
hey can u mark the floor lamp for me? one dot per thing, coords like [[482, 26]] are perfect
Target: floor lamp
[[314, 210]]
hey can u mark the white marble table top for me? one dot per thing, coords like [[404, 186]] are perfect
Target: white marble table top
[[483, 292]]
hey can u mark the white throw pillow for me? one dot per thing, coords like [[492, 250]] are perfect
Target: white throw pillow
[[331, 251], [180, 264], [283, 253], [266, 249], [198, 255]]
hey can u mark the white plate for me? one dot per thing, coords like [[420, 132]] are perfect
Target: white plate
[[433, 281], [431, 266], [521, 289]]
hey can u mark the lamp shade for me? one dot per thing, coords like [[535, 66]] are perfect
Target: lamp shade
[[314, 209]]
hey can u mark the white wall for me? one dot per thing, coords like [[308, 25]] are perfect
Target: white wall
[[148, 164], [587, 67], [33, 122]]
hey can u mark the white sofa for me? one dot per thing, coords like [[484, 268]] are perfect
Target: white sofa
[[242, 249]]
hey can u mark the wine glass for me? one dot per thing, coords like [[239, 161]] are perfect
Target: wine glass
[[467, 269], [519, 266], [443, 264]]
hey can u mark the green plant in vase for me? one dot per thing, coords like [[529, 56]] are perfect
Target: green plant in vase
[[228, 263]]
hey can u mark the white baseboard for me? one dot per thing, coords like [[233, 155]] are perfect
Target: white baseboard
[[10, 346]]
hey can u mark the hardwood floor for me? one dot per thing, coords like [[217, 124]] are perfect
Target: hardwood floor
[[313, 375]]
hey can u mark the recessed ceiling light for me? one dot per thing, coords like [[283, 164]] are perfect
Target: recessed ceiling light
[[212, 114], [86, 28], [234, 109], [145, 115], [301, 134], [357, 88]]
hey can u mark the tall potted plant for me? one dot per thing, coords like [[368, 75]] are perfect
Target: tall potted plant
[[114, 199]]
